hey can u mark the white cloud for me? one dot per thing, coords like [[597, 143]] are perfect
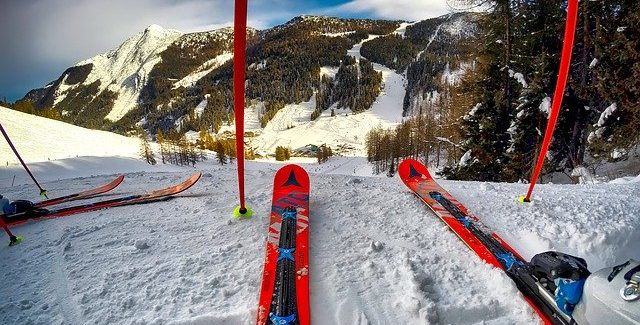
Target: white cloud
[[398, 9]]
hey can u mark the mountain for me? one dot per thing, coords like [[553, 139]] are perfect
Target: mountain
[[311, 66]]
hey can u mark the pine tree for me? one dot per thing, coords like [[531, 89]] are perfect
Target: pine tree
[[163, 146], [146, 152], [280, 156], [220, 152], [617, 44]]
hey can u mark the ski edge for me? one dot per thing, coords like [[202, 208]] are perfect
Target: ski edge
[[84, 194]]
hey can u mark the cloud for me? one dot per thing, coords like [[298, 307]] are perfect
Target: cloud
[[397, 9]]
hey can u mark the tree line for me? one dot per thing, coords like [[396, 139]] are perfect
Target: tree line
[[489, 124]]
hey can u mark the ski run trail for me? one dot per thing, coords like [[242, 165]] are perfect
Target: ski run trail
[[377, 254]]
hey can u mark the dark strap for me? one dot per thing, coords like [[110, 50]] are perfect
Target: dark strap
[[628, 275], [616, 270]]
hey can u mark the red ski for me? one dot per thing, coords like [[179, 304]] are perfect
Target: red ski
[[417, 177], [284, 293], [82, 195], [40, 213], [486, 244]]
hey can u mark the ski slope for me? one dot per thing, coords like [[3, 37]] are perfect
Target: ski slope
[[292, 125], [378, 256], [42, 139]]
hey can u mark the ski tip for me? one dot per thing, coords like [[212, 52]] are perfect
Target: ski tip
[[16, 240], [523, 199], [240, 213], [291, 175], [412, 169]]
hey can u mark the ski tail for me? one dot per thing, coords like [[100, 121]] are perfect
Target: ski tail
[[284, 293], [82, 195], [157, 195]]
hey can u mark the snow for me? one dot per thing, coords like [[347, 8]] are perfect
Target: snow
[[355, 50], [203, 70], [606, 113], [124, 70], [519, 77], [472, 112], [338, 34], [377, 254], [200, 108], [454, 77], [618, 153], [545, 106], [584, 175], [403, 28], [329, 71], [41, 139], [431, 39], [458, 27], [464, 160], [292, 126]]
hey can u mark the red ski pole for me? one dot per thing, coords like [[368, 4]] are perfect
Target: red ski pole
[[13, 240], [565, 62], [239, 61]]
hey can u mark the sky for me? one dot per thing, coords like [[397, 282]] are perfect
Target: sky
[[39, 39]]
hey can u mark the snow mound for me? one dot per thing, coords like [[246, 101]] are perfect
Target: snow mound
[[42, 139]]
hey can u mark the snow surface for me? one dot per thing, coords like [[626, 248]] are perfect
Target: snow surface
[[42, 139], [377, 255], [203, 70], [606, 113], [402, 30], [185, 261]]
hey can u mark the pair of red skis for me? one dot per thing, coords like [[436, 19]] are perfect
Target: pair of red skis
[[38, 210], [284, 293]]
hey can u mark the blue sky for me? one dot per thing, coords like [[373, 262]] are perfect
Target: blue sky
[[41, 38]]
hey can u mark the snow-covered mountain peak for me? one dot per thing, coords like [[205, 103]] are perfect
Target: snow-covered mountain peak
[[125, 69], [154, 28]]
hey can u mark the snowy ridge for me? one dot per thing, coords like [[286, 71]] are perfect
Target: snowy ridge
[[203, 70], [124, 70]]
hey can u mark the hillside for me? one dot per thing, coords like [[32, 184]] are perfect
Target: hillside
[[42, 139]]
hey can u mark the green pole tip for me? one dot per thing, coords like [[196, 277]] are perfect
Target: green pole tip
[[523, 199], [242, 213], [15, 240]]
